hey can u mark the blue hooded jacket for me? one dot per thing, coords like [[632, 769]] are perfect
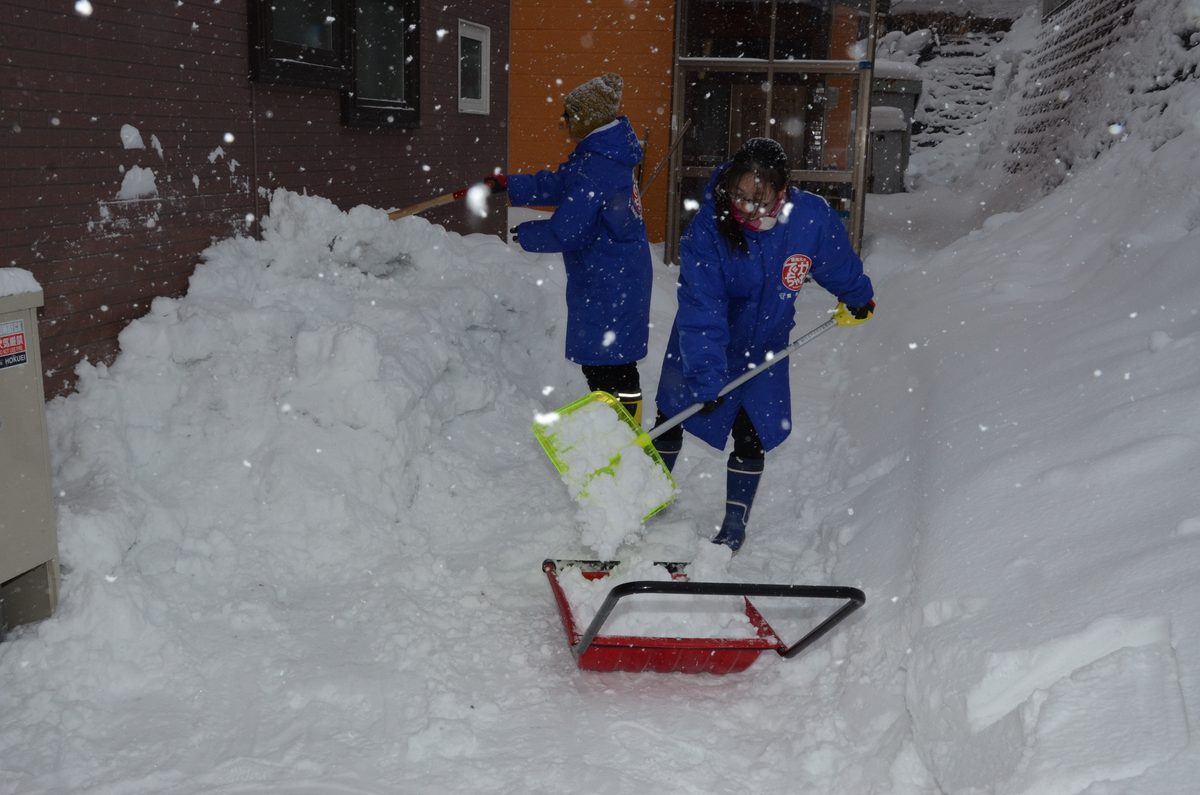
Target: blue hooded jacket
[[735, 308], [598, 227]]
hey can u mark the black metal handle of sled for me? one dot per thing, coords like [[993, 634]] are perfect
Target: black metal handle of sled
[[854, 599]]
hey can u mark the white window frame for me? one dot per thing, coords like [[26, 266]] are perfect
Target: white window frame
[[482, 34]]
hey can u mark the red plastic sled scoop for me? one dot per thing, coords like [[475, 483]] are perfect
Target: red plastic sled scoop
[[596, 652]]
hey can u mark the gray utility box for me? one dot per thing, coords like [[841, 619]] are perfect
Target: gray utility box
[[28, 540], [889, 150], [893, 106]]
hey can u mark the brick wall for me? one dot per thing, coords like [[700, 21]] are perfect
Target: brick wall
[[178, 72]]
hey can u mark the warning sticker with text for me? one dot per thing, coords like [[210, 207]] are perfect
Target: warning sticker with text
[[12, 344]]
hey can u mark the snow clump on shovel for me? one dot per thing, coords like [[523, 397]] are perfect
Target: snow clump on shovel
[[613, 502]]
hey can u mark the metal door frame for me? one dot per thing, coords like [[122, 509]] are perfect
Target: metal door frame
[[856, 177]]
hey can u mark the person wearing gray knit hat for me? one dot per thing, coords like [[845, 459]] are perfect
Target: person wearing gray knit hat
[[597, 226], [593, 104]]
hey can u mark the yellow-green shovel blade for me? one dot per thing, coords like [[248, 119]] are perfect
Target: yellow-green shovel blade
[[578, 467]]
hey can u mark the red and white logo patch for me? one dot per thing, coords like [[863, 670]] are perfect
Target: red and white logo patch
[[795, 268], [635, 199]]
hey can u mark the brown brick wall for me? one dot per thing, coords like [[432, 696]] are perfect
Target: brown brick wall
[[180, 72]]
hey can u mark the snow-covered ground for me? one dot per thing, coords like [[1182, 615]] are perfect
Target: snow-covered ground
[[302, 516]]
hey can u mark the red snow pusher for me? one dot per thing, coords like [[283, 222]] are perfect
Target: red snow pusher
[[596, 652]]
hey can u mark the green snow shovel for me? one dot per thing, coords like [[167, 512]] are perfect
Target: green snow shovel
[[579, 476]]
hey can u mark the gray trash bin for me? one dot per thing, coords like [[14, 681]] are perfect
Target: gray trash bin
[[890, 139]]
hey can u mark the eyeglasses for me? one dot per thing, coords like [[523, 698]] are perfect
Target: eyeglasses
[[752, 203]]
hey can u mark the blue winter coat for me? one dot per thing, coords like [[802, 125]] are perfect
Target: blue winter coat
[[734, 308], [598, 227]]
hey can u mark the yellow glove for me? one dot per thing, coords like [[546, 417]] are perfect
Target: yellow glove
[[852, 316]]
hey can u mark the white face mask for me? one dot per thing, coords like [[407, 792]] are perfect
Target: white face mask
[[758, 223]]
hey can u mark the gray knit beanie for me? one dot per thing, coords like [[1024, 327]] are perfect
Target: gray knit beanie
[[597, 102]]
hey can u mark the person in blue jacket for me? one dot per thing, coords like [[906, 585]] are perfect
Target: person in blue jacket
[[598, 227], [743, 259]]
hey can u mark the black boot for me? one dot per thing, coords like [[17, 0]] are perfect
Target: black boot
[[669, 454], [669, 444], [741, 483]]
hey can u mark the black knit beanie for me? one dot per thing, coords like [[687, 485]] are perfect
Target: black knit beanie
[[767, 155]]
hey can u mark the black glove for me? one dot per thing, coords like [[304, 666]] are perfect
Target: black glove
[[513, 232], [711, 405], [853, 315], [862, 312]]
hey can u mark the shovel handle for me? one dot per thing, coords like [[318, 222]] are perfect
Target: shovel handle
[[429, 204], [645, 186], [746, 376]]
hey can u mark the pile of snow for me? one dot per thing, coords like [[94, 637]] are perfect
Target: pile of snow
[[131, 137], [653, 615], [896, 50], [138, 183]]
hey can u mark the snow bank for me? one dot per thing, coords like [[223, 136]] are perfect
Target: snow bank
[[1050, 581]]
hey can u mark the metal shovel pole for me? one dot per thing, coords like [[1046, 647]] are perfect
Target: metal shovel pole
[[744, 377], [645, 185]]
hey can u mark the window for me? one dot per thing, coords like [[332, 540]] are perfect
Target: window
[[474, 67], [299, 42], [386, 68], [366, 48]]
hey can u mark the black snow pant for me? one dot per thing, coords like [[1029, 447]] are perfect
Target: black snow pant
[[619, 380]]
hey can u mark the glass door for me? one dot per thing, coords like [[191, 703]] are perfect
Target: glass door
[[798, 71]]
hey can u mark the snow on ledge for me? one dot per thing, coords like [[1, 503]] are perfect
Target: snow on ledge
[[885, 117], [896, 70], [14, 281]]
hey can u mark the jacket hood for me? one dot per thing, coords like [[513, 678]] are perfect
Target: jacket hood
[[616, 141], [710, 188]]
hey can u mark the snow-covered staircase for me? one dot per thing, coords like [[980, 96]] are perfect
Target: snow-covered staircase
[[956, 94], [1067, 107]]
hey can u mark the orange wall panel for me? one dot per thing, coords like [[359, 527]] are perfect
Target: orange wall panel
[[839, 132], [558, 44]]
